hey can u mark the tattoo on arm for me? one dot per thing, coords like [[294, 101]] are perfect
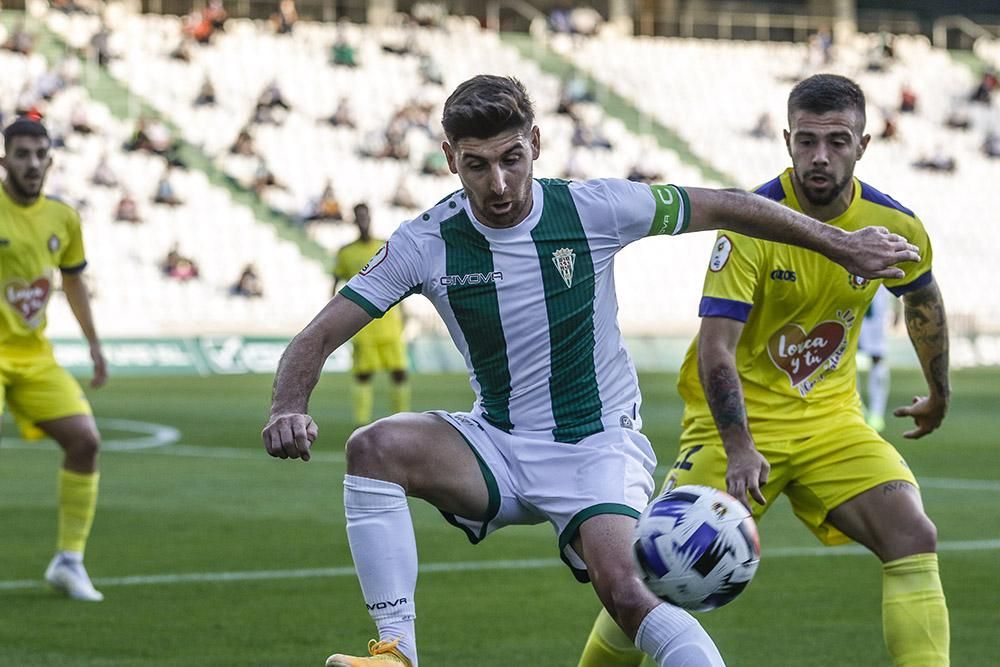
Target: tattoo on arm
[[725, 397], [927, 326], [892, 487]]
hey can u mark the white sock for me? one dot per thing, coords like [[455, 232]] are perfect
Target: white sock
[[71, 556], [878, 388], [671, 636], [380, 532]]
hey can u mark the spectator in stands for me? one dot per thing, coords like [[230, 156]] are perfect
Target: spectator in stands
[[19, 41], [430, 72], [984, 91], [585, 21], [243, 144], [907, 99], [127, 210], [343, 116], [103, 175], [891, 128], [991, 144], [198, 27], [402, 45], [216, 14], [559, 18], [165, 193], [270, 99], [575, 89], [78, 119], [643, 174], [403, 197], [179, 267], [883, 53], [206, 95], [48, 84], [248, 284], [342, 52], [958, 118], [937, 161], [264, 178], [764, 127], [28, 102], [100, 45], [285, 18], [182, 51], [435, 164], [587, 136], [325, 207]]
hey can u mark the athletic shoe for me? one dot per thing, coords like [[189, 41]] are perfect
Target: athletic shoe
[[69, 576], [381, 652]]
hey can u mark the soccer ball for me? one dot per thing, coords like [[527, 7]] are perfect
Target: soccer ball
[[696, 547]]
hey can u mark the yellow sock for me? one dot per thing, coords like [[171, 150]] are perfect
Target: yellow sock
[[608, 646], [77, 503], [363, 394], [914, 613], [399, 393]]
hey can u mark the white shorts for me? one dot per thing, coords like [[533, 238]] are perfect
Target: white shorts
[[871, 340], [531, 481]]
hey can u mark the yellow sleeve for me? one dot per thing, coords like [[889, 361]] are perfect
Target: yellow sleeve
[[73, 258], [340, 266], [732, 276], [917, 274]]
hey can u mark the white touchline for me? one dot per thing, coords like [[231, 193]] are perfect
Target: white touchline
[[448, 567]]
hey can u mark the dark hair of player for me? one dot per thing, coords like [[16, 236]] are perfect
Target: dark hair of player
[[486, 105], [25, 126], [823, 93]]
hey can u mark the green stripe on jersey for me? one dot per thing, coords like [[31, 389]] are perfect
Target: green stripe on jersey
[[673, 210], [568, 279], [476, 307]]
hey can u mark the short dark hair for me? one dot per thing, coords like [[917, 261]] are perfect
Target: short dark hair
[[24, 126], [823, 93], [486, 105]]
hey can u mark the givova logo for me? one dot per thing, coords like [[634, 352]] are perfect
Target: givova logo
[[472, 278]]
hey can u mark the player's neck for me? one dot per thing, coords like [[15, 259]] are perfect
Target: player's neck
[[825, 212], [16, 196]]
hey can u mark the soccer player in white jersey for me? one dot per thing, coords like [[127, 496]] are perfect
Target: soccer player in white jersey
[[521, 272], [871, 341]]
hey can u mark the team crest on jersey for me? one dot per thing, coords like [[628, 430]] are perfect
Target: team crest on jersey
[[857, 282], [720, 254], [28, 299], [376, 259], [54, 243], [565, 260]]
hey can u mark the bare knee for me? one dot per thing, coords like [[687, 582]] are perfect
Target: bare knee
[[626, 599], [377, 451], [917, 536], [81, 450]]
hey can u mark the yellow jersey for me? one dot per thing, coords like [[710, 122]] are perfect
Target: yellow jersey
[[35, 240], [803, 313], [350, 260]]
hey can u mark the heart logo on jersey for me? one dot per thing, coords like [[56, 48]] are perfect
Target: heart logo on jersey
[[28, 299], [800, 354]]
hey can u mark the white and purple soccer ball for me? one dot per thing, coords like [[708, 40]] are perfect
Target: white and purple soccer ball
[[696, 547]]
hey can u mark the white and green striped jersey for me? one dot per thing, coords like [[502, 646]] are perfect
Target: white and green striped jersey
[[532, 308]]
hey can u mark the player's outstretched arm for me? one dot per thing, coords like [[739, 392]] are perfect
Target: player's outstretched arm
[[290, 431], [746, 469], [79, 302], [927, 325], [871, 252]]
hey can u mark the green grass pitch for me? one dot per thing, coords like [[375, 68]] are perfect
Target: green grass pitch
[[172, 521]]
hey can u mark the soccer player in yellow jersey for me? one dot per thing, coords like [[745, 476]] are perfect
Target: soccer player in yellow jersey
[[771, 404], [379, 346], [37, 236]]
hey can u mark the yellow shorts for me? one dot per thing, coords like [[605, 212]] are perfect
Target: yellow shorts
[[37, 389], [379, 355], [817, 473]]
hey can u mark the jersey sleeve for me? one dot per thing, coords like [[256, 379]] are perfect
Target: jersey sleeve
[[73, 258], [917, 274], [732, 277], [642, 210], [390, 276]]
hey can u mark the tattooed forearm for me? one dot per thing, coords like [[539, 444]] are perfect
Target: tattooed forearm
[[725, 397], [927, 326]]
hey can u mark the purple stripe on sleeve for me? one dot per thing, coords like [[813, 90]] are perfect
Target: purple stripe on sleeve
[[712, 306]]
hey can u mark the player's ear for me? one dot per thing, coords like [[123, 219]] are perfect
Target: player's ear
[[536, 142], [788, 141], [449, 154], [863, 145]]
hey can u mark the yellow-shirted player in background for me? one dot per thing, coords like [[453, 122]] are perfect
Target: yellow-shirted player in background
[[380, 345], [769, 383], [39, 235]]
